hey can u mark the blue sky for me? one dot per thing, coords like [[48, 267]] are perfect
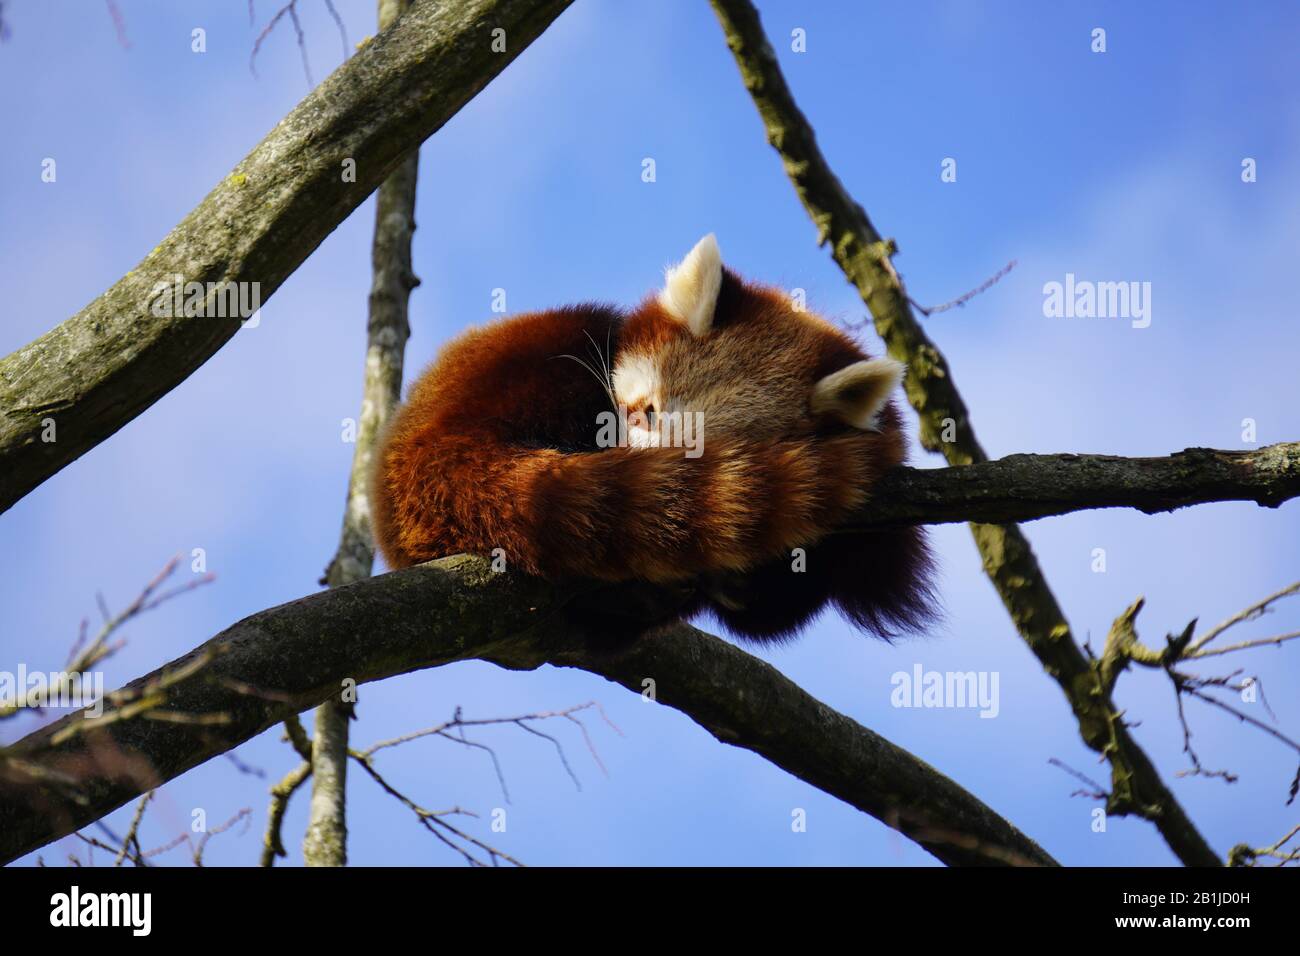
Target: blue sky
[[1122, 166]]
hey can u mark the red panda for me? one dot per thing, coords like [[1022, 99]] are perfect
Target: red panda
[[500, 445]]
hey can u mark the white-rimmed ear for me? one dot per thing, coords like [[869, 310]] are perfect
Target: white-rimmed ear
[[690, 292], [856, 393]]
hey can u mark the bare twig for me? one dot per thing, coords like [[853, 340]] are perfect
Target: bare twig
[[1249, 614], [1123, 648], [961, 300], [338, 22], [246, 814], [458, 722], [434, 822], [84, 656], [1244, 855], [119, 23], [1277, 641], [1094, 790], [273, 843], [131, 842], [291, 10]]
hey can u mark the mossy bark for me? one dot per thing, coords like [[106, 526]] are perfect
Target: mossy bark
[[112, 360], [1027, 487]]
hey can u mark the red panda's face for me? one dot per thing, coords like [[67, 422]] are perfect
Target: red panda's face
[[740, 362]]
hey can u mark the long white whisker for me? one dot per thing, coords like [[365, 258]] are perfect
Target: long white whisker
[[609, 356], [600, 357], [609, 331], [595, 375], [604, 364]]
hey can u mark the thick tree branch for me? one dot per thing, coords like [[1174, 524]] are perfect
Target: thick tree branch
[[458, 609], [108, 363], [1009, 561], [1026, 487]]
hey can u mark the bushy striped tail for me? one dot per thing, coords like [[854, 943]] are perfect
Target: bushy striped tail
[[650, 514]]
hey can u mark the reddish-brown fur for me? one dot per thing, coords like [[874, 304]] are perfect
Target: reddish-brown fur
[[496, 448]]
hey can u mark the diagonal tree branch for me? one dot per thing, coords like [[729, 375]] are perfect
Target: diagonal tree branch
[[79, 383], [458, 609], [1009, 561]]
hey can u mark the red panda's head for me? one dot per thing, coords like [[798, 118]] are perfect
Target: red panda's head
[[746, 358]]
